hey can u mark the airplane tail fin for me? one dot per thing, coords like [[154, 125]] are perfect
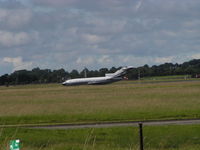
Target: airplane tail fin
[[121, 72]]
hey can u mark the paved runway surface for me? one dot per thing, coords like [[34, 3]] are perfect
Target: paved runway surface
[[118, 124]]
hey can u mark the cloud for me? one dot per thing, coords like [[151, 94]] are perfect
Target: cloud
[[18, 63], [78, 33], [86, 61], [138, 5], [92, 38], [122, 60], [105, 60], [9, 39], [15, 18], [54, 2], [161, 60], [106, 25], [101, 60], [88, 5], [196, 56], [10, 4]]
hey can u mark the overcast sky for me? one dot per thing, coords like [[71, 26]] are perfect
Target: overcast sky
[[73, 34]]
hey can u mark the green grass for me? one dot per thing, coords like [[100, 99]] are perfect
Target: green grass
[[172, 78], [168, 77], [176, 137], [53, 103], [122, 101]]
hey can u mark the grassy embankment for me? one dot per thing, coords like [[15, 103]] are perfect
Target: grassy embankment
[[121, 101]]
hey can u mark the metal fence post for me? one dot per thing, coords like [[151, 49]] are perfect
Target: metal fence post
[[141, 136]]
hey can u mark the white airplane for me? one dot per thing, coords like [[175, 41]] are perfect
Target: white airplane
[[109, 78]]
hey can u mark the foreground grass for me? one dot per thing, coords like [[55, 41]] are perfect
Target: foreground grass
[[176, 137], [53, 103]]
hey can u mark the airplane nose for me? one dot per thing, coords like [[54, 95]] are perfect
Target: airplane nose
[[64, 83]]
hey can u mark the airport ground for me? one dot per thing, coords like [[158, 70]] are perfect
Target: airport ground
[[121, 101]]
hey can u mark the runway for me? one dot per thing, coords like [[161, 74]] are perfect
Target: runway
[[116, 124]]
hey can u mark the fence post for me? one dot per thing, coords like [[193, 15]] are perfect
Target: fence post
[[141, 136]]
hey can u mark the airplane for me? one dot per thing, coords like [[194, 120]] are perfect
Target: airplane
[[109, 78]]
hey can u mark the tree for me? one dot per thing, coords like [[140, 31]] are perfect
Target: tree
[[84, 73], [103, 71], [74, 74], [4, 79]]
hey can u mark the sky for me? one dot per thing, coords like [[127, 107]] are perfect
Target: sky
[[73, 34]]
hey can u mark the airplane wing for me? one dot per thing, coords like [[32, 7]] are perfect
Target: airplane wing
[[98, 82]]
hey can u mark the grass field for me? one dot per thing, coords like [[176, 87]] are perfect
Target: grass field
[[122, 101], [53, 103]]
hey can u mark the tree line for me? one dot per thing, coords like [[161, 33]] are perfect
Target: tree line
[[38, 75]]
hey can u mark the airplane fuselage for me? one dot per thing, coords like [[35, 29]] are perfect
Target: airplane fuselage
[[90, 81]]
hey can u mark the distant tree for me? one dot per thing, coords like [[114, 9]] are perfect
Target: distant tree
[[4, 79], [132, 74], [58, 75], [84, 72], [103, 71], [113, 69], [74, 74], [94, 73]]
